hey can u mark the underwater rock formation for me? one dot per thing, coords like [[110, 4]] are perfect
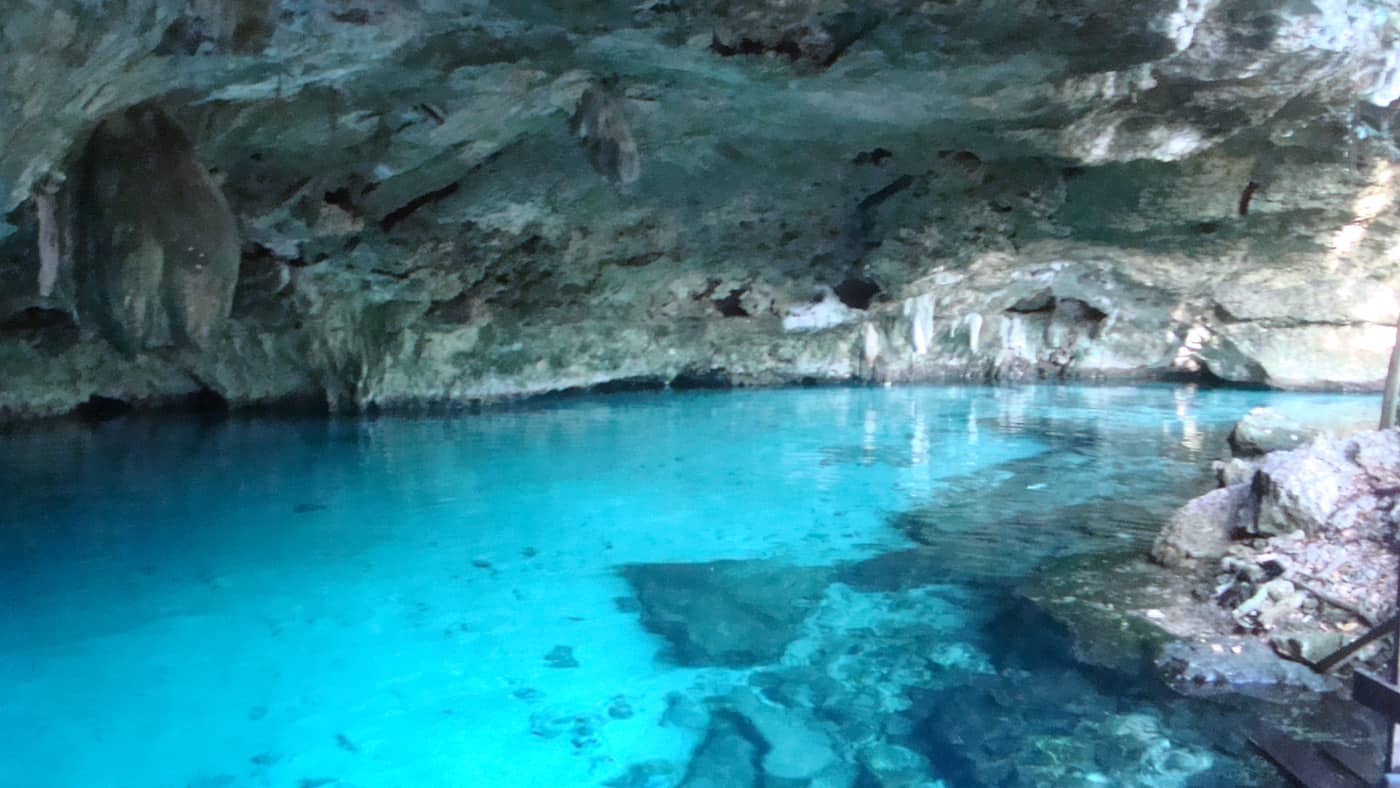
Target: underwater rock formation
[[833, 190], [730, 613]]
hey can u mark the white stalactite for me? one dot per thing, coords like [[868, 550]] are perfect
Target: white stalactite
[[974, 331], [1013, 337], [46, 206], [872, 346], [919, 310]]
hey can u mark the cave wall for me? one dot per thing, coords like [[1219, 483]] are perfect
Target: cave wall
[[433, 201]]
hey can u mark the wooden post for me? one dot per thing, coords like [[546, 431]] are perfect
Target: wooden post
[[1392, 766], [1392, 385]]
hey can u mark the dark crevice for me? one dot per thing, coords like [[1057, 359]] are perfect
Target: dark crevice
[[1043, 301], [433, 112], [716, 378], [732, 305], [340, 198], [355, 16], [895, 187], [206, 402], [1246, 196], [397, 215], [845, 29], [1223, 315], [640, 260], [873, 156], [857, 292], [1080, 310], [456, 310], [750, 46], [710, 286], [971, 159], [1204, 377], [623, 385], [37, 319], [399, 275], [826, 44], [99, 408]]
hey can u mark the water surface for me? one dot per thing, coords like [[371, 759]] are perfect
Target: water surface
[[454, 601]]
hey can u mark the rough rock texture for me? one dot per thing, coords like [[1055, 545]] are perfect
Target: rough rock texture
[[1202, 529], [1335, 486], [1302, 553], [448, 202], [1263, 430], [155, 246]]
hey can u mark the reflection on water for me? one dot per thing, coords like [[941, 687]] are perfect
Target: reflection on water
[[491, 599]]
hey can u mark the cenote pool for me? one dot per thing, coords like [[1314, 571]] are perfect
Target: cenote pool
[[661, 589]]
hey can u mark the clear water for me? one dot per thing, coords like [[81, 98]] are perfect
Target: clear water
[[442, 602]]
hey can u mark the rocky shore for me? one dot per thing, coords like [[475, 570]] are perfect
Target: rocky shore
[[1290, 558], [1297, 546]]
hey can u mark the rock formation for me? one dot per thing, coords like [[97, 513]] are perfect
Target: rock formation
[[156, 247], [1298, 546], [831, 189]]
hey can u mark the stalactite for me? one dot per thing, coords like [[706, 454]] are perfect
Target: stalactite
[[920, 311], [46, 207], [601, 123]]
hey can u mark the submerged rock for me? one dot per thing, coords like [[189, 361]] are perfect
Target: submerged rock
[[985, 734], [727, 758], [796, 748], [1242, 663], [730, 613]]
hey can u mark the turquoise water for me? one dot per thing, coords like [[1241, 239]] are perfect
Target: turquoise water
[[590, 591]]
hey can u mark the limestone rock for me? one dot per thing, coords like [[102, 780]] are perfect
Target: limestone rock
[[892, 765], [1263, 430], [731, 613], [1236, 661], [796, 747], [601, 123], [727, 757], [833, 189], [1234, 471], [157, 250], [1200, 532], [1307, 556]]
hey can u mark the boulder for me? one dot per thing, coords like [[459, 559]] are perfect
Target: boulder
[[1236, 662], [1200, 532], [1334, 485], [1263, 430]]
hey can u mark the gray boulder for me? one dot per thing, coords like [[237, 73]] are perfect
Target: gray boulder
[[1334, 485], [1263, 430], [1201, 531]]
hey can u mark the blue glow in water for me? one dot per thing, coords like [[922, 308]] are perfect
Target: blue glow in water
[[383, 603]]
